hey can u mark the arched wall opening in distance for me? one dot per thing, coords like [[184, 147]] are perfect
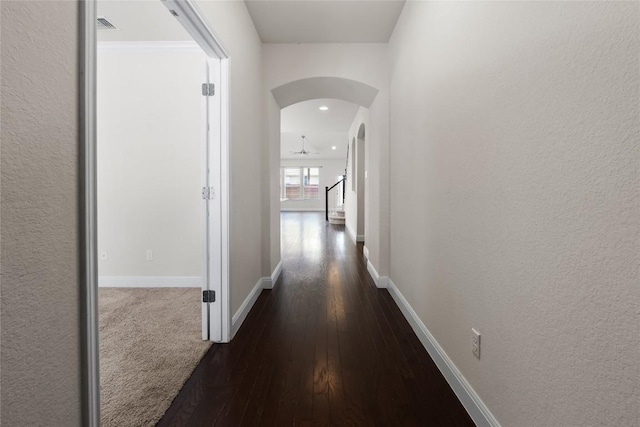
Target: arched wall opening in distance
[[304, 90], [324, 87]]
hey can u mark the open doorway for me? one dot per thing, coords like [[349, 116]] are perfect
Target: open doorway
[[313, 157], [157, 231]]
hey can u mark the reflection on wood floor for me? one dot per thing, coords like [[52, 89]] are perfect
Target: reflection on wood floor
[[324, 347]]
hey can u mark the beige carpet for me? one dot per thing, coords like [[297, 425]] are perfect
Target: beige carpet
[[150, 342]]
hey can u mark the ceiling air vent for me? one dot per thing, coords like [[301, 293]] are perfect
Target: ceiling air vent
[[104, 24]]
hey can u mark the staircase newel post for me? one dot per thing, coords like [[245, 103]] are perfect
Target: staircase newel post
[[326, 203]]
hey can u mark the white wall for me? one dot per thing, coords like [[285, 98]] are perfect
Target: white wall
[[515, 134], [352, 213], [40, 316], [233, 25], [150, 162], [329, 169], [284, 63]]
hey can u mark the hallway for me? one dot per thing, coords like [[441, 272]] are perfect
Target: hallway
[[324, 347]]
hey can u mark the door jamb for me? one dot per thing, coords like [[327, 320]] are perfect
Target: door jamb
[[193, 21]]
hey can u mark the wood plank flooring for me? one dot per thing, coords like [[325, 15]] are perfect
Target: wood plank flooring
[[324, 347]]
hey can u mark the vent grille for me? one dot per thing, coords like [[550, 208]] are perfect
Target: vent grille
[[104, 24]]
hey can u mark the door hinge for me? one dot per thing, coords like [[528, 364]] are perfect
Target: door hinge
[[208, 296], [208, 89], [208, 193]]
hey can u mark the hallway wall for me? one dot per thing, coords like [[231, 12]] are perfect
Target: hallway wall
[[351, 199], [515, 199], [40, 315], [284, 63]]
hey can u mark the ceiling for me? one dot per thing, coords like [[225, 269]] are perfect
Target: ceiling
[[323, 129], [288, 21], [325, 21]]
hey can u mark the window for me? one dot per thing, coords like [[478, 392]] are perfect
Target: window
[[300, 183]]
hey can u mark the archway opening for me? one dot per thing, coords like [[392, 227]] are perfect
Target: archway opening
[[301, 91]]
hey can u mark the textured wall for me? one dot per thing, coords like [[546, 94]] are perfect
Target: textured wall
[[150, 162], [40, 274], [515, 200]]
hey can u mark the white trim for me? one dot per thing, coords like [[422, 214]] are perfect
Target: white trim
[[213, 207], [205, 226], [380, 281], [90, 363], [270, 282], [150, 282], [250, 300], [190, 17], [246, 307], [476, 408], [225, 185], [355, 237], [365, 251], [267, 282], [350, 232], [275, 275], [154, 46]]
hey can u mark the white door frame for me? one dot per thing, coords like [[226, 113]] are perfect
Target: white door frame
[[192, 20]]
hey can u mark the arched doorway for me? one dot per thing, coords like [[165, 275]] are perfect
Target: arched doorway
[[294, 92]]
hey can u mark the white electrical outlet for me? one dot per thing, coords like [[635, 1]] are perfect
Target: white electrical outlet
[[103, 256], [149, 255], [475, 343]]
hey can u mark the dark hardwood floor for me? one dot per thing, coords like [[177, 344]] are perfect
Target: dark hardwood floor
[[324, 347]]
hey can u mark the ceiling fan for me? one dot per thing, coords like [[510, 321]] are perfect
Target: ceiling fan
[[302, 152]]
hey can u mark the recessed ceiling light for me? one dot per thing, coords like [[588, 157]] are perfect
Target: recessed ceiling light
[[324, 108], [333, 148]]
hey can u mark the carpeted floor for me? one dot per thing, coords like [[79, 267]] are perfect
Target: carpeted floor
[[150, 342]]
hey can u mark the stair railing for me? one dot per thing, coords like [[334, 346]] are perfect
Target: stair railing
[[326, 195]]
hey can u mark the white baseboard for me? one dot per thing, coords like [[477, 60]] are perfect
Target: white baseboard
[[355, 237], [380, 281], [365, 251], [350, 231], [476, 408], [250, 300], [270, 282], [276, 274], [150, 281], [246, 307]]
